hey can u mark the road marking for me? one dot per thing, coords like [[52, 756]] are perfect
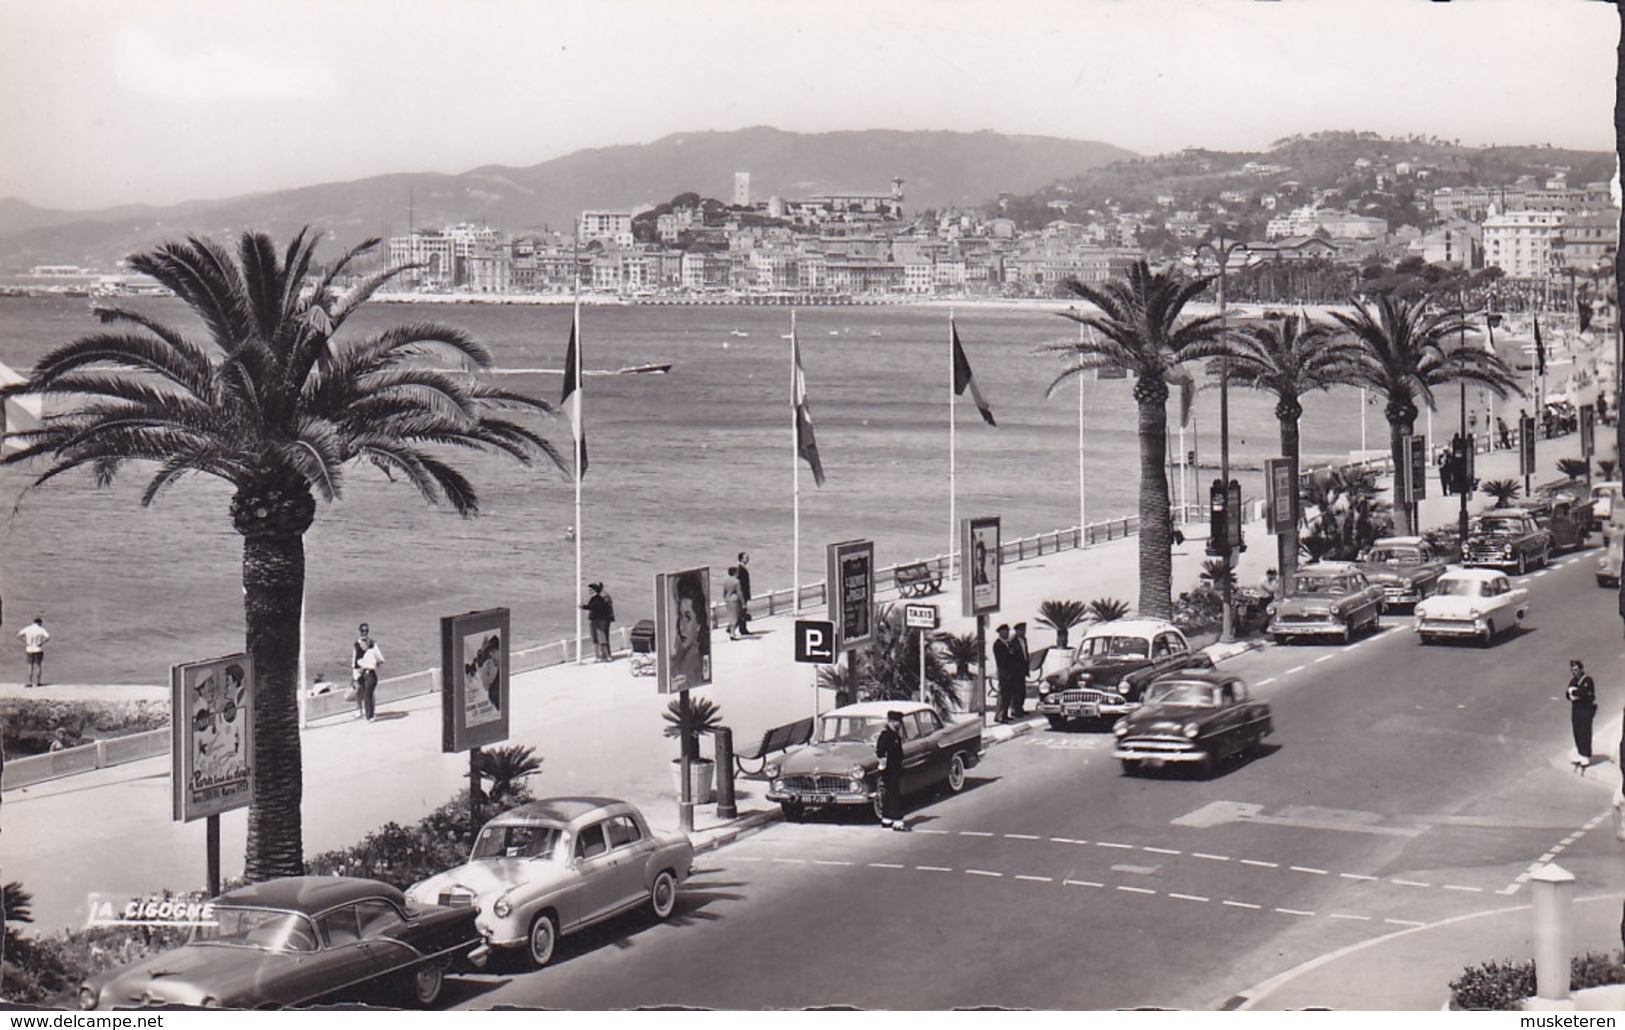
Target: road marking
[[1295, 668], [1211, 858], [1081, 883], [1023, 836], [1548, 856], [1458, 887], [1293, 912], [1356, 876], [1135, 890], [1308, 869], [1109, 844], [1188, 897], [1066, 840], [748, 858], [1409, 883], [982, 872], [1265, 683], [940, 832], [1326, 657], [829, 861], [1404, 922], [879, 865], [797, 861], [974, 833], [933, 869], [1261, 865], [1344, 915], [1240, 904], [1161, 851], [1037, 879]]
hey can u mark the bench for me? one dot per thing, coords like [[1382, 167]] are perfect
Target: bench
[[779, 738], [917, 579]]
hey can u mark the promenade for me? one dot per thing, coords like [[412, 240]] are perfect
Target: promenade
[[598, 730]]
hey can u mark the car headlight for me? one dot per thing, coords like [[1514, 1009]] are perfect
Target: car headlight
[[857, 786], [1506, 550], [1473, 613], [1120, 727], [771, 770], [1191, 729], [502, 908], [775, 785], [857, 772], [87, 998]]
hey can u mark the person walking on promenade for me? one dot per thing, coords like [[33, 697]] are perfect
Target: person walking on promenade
[[34, 637], [1002, 649], [1021, 660], [1504, 433], [366, 664], [744, 592], [600, 608], [731, 600], [889, 749], [1582, 695]]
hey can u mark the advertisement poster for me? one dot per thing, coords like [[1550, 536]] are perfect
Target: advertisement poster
[[851, 579], [683, 630], [474, 649], [212, 746], [979, 554], [1278, 482]]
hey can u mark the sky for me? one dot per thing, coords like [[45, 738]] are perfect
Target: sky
[[108, 102]]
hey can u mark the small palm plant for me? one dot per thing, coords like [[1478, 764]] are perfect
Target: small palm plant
[[1607, 466], [505, 769], [18, 907], [1505, 491], [891, 668], [844, 678], [1061, 616], [1573, 468], [1108, 609], [1216, 571], [703, 716], [959, 648]]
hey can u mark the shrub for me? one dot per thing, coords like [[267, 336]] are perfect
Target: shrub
[[29, 725], [1504, 985], [1199, 611], [46, 970], [403, 855]]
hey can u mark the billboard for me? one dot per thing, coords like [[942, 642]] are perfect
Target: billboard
[[474, 666], [1588, 430], [979, 557], [1280, 489], [851, 579], [1526, 445], [683, 630], [211, 750], [1416, 451]]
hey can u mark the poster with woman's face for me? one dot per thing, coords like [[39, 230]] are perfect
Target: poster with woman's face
[[474, 679], [683, 629], [980, 557], [212, 755]]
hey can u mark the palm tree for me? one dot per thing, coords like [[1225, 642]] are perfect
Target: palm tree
[[1061, 616], [1140, 333], [961, 649], [1505, 491], [703, 716], [1344, 513], [1573, 468], [1108, 609], [891, 667], [1289, 358], [273, 403], [1404, 358], [1606, 467], [1215, 571], [506, 769]]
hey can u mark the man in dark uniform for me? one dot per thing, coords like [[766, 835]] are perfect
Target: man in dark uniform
[[889, 749], [1582, 695], [1020, 665], [1002, 660]]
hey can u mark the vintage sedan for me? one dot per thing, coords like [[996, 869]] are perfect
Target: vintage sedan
[[1406, 567], [298, 940], [1327, 599], [1604, 496], [549, 868], [1506, 538], [1613, 555], [1112, 665], [1195, 718], [839, 766], [1476, 604]]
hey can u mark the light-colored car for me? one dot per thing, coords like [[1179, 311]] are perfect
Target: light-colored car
[[1327, 599], [1112, 665], [549, 868], [1613, 555], [1406, 567], [839, 766], [1604, 497], [1475, 604]]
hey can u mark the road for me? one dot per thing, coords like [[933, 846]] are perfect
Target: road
[[1405, 784]]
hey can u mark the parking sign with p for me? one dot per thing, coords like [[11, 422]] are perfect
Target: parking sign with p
[[815, 642]]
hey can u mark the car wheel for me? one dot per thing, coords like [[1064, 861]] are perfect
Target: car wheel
[[663, 895], [956, 772], [1523, 564], [1131, 766], [544, 938], [1488, 635], [793, 811], [425, 983], [879, 808]]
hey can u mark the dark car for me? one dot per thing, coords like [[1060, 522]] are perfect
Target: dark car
[[1406, 567], [1565, 515], [1327, 599], [1507, 538], [1195, 718], [840, 768], [298, 940], [1111, 667]]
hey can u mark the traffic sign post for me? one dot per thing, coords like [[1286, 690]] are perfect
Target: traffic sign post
[[1526, 450], [815, 642], [920, 617]]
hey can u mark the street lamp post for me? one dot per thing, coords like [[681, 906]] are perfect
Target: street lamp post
[[1221, 249]]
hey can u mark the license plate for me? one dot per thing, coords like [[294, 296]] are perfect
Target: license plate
[[816, 799], [1153, 763], [1084, 710]]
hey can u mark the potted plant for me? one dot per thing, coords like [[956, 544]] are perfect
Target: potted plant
[[702, 716]]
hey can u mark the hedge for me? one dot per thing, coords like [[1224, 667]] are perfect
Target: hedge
[[1505, 985], [27, 726]]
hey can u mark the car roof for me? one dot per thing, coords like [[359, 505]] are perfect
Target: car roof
[[1330, 567], [309, 894], [1400, 541], [1130, 628], [878, 709], [1216, 677], [555, 810], [1479, 574]]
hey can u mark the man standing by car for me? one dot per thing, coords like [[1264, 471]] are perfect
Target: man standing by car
[[1020, 664], [1001, 668], [889, 749]]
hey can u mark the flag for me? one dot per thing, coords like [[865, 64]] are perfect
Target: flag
[[806, 445], [18, 414], [963, 379], [1540, 350], [579, 431], [1187, 393]]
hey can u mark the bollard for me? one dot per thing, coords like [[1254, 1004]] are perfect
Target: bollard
[[724, 746], [1553, 891]]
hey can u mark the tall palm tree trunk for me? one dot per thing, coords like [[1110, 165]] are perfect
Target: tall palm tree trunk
[[272, 522], [1397, 432], [1286, 542], [1156, 532]]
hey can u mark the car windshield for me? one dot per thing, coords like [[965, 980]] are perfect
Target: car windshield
[[267, 929], [1460, 588], [1396, 555], [522, 841], [1320, 584], [1501, 527], [850, 729], [1117, 647], [1180, 692]]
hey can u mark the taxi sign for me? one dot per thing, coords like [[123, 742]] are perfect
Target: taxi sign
[[920, 616]]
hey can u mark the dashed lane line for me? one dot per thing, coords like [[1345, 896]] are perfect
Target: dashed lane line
[[1066, 840], [1324, 658], [1081, 883], [1188, 897], [1160, 851], [1036, 879], [1240, 904], [933, 869], [1265, 683], [1294, 912], [830, 861], [885, 865], [1112, 844], [1023, 836], [1308, 869], [1523, 877], [1295, 668], [976, 833], [1459, 887], [1345, 915], [1409, 883], [1135, 890], [1404, 922], [1356, 876], [1210, 858], [982, 872], [1261, 865]]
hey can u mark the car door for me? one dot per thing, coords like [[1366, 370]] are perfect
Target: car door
[[596, 888], [629, 852], [381, 927], [1370, 598], [927, 762], [344, 959]]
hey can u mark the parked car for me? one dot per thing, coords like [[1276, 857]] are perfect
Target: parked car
[[1565, 516], [298, 940], [1613, 552], [839, 768], [1604, 497], [550, 868], [1327, 599], [1506, 538], [1110, 668], [1472, 603], [1406, 567], [1197, 718]]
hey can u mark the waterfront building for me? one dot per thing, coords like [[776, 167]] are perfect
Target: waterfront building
[[1520, 242], [1459, 243], [1585, 239], [612, 227]]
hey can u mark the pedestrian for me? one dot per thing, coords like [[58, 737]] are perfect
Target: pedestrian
[[744, 593], [889, 749], [1020, 665], [1001, 668], [731, 601], [366, 664], [1582, 695], [1504, 432], [56, 742], [1270, 583], [600, 608], [34, 637], [1447, 469]]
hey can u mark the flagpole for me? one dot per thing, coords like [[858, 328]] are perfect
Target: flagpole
[[576, 422], [795, 486], [953, 514], [1082, 525]]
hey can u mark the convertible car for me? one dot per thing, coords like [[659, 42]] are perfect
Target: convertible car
[[552, 867], [839, 767], [1196, 718], [1476, 604], [298, 940]]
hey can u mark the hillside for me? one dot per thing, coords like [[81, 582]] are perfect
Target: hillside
[[939, 169]]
